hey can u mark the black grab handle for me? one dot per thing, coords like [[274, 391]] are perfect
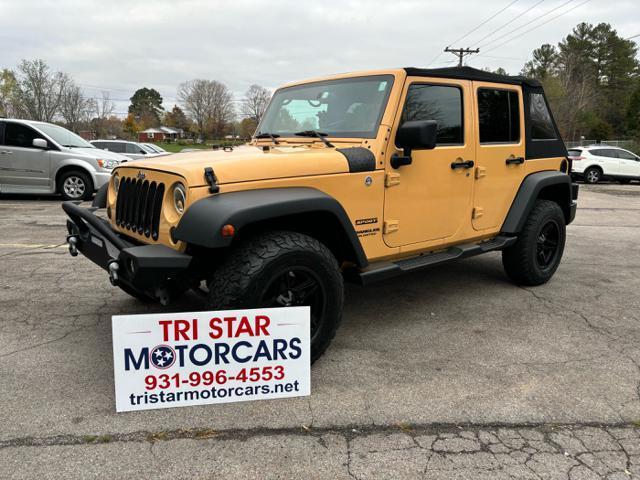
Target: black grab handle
[[514, 161], [467, 164]]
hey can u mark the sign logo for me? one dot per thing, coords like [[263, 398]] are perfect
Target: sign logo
[[141, 176], [163, 356]]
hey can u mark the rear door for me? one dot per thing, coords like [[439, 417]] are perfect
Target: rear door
[[429, 199], [607, 159], [500, 153], [23, 168]]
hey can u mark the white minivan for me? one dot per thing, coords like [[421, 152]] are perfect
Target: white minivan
[[598, 162], [40, 157]]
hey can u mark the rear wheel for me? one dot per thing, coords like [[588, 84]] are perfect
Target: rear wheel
[[593, 175], [535, 257], [76, 185], [283, 269]]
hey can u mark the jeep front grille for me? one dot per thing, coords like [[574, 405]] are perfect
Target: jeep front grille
[[138, 206]]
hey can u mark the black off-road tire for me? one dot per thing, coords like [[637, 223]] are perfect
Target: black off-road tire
[[592, 175], [521, 260], [81, 178], [256, 262]]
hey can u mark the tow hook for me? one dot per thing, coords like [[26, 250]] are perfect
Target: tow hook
[[72, 241], [113, 272]]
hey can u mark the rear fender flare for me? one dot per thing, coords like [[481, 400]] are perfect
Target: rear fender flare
[[551, 185]]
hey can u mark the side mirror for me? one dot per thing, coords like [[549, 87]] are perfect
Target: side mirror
[[415, 134], [40, 143]]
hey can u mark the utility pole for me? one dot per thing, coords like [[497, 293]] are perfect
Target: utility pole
[[461, 53]]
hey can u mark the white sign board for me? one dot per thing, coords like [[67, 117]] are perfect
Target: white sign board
[[178, 359]]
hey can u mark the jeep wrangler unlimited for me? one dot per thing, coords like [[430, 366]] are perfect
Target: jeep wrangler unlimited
[[356, 177]]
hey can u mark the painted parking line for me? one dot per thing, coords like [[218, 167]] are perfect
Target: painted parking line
[[31, 245]]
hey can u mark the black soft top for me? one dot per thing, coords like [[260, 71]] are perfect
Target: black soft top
[[469, 73]]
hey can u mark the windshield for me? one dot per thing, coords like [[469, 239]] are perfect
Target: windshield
[[351, 107], [147, 148], [63, 136]]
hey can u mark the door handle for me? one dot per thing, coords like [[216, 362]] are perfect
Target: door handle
[[514, 161], [462, 164]]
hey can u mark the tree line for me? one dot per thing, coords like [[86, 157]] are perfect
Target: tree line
[[207, 108], [592, 81]]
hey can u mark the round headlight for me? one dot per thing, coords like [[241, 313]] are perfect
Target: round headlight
[[116, 183], [179, 197]]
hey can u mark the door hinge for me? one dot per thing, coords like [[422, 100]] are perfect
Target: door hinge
[[477, 212], [481, 172], [390, 226], [391, 179]]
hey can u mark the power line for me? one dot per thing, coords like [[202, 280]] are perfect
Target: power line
[[538, 26], [524, 25], [473, 30], [485, 22], [491, 34], [638, 35]]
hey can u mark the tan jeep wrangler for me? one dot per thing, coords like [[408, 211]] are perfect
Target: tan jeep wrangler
[[358, 177]]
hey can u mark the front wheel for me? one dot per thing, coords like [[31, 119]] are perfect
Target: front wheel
[[535, 257], [76, 185], [283, 269]]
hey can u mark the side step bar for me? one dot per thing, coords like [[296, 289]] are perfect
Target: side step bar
[[384, 270]]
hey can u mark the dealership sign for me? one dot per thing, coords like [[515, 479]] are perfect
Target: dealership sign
[[179, 359]]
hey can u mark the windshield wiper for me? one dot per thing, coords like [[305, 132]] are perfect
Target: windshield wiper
[[317, 134], [273, 136]]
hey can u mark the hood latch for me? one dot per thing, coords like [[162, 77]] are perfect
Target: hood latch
[[211, 179]]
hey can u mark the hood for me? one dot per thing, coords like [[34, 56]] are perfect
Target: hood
[[99, 153], [249, 163]]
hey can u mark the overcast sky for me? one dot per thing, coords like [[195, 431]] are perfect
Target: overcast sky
[[119, 46]]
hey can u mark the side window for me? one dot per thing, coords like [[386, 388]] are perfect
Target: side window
[[499, 116], [605, 152], [440, 103], [626, 155], [541, 124], [131, 148], [117, 147], [101, 145], [17, 135]]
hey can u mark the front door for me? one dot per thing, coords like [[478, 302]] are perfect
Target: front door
[[629, 164], [500, 154], [429, 200], [23, 168]]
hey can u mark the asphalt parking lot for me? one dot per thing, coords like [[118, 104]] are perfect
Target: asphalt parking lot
[[449, 373]]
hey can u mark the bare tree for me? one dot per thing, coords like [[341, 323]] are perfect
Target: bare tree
[[102, 108], [255, 102], [209, 103], [40, 90], [75, 108]]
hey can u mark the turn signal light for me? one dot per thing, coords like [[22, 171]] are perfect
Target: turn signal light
[[228, 230]]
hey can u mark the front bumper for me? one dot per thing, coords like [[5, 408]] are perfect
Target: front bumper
[[146, 269]]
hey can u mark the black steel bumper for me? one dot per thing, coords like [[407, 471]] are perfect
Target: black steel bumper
[[146, 269]]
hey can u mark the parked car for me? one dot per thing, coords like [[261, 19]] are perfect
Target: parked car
[[598, 162], [371, 176], [39, 157], [156, 148], [133, 150]]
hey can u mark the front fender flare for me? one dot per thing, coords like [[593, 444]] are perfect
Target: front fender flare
[[202, 223]]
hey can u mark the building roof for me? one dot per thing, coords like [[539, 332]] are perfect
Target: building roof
[[469, 73], [152, 130], [171, 130]]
